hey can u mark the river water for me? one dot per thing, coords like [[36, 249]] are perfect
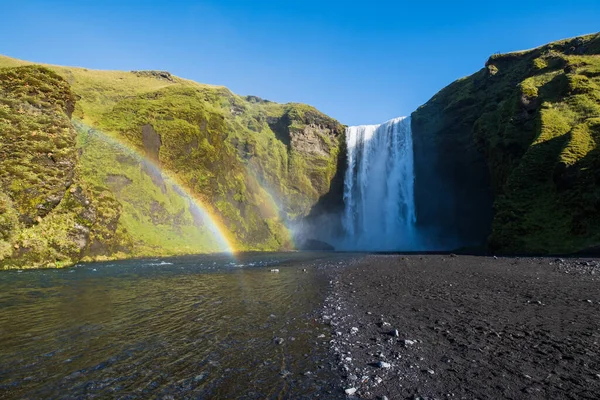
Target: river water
[[186, 327]]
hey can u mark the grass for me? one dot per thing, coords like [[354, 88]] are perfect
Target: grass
[[244, 157], [534, 116], [156, 216]]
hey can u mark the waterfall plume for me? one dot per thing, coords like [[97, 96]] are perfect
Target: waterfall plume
[[379, 212]]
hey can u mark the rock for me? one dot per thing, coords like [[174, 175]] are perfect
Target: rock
[[164, 75], [383, 364], [395, 333], [350, 391], [353, 330], [285, 373], [198, 378], [278, 340], [408, 342]]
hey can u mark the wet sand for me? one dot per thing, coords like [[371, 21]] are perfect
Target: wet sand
[[465, 327]]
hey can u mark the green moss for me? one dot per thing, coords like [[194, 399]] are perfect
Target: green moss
[[539, 139], [529, 87], [37, 154], [228, 150], [246, 159]]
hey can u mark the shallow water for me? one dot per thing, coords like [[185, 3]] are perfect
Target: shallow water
[[186, 327]]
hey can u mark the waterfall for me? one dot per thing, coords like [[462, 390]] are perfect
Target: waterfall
[[379, 203]]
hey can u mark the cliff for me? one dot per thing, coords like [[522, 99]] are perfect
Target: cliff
[[107, 164], [508, 157]]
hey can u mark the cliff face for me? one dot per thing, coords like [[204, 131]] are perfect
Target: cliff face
[[517, 140], [48, 215], [135, 140]]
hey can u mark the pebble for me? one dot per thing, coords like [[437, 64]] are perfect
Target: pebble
[[198, 378], [278, 340], [408, 342], [395, 333], [285, 373], [354, 330], [350, 391], [383, 364], [275, 270]]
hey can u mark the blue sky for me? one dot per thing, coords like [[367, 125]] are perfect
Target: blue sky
[[361, 62]]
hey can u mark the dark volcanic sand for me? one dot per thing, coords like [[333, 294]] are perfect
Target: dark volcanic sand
[[477, 327]]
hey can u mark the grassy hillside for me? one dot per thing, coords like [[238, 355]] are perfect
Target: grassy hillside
[[532, 118], [254, 164]]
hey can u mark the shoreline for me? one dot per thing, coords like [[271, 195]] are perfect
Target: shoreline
[[454, 326]]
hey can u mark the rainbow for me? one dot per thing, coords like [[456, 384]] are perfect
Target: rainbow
[[212, 220], [274, 209]]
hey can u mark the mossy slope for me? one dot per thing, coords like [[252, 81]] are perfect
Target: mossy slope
[[531, 119], [256, 165], [48, 216]]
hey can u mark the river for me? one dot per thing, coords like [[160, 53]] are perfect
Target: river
[[186, 327]]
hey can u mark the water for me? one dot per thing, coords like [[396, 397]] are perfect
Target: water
[[379, 210], [186, 327]]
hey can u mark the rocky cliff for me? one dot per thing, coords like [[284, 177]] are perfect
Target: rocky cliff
[[509, 157], [102, 164]]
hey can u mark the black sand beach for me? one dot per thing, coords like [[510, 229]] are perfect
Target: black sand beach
[[465, 327]]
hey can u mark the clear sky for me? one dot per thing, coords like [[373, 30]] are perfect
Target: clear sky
[[362, 62]]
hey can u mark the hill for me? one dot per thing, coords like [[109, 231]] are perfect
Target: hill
[[182, 167], [513, 151]]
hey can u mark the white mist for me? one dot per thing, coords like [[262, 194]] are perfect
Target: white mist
[[379, 196]]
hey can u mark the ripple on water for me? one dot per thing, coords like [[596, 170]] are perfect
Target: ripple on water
[[189, 326]]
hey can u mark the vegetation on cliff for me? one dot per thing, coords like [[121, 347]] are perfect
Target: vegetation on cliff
[[254, 164], [48, 216], [533, 117]]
